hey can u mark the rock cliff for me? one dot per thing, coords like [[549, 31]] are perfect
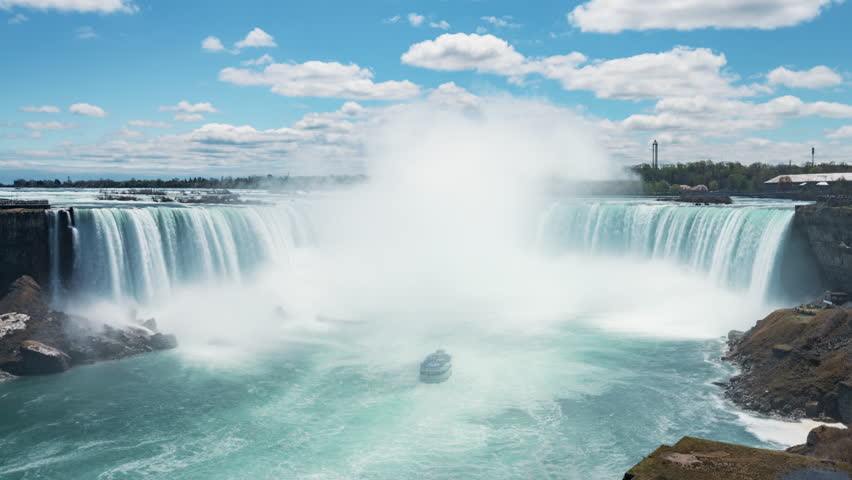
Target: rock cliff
[[829, 233], [23, 246]]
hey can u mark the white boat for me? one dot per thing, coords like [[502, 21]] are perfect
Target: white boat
[[436, 367]]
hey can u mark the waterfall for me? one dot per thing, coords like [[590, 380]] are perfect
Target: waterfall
[[142, 254], [736, 246]]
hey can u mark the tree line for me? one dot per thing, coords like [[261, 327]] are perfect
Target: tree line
[[723, 176], [249, 182]]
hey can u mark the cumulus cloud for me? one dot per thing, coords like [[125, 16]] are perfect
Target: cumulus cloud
[[95, 6], [817, 77], [149, 124], [682, 71], [451, 95], [257, 38], [40, 109], [87, 110], [842, 132], [186, 107], [49, 125], [415, 19], [613, 16], [461, 51], [212, 44], [321, 79]]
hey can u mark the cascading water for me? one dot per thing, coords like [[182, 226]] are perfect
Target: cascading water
[[736, 246], [143, 253]]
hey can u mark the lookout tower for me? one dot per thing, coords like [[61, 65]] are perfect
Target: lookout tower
[[655, 155]]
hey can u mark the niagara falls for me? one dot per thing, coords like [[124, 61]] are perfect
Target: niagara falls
[[425, 241]]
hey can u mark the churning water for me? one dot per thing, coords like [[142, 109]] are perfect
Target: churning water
[[602, 348]]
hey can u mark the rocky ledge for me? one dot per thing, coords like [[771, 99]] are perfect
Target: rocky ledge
[[36, 340], [796, 363], [696, 459]]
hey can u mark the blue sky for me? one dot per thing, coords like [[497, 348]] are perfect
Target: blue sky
[[762, 80]]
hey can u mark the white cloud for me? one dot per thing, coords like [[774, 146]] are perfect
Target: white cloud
[[501, 22], [262, 60], [129, 134], [87, 110], [321, 79], [189, 117], [257, 38], [149, 124], [212, 44], [95, 6], [681, 72], [85, 33], [392, 20], [40, 109], [186, 107], [817, 77], [18, 18], [49, 125], [613, 16], [461, 51], [415, 19], [481, 30], [451, 95], [442, 25], [842, 132]]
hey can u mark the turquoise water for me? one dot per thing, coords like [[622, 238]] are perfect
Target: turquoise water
[[573, 357], [581, 404]]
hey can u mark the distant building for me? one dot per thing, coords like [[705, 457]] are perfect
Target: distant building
[[806, 180]]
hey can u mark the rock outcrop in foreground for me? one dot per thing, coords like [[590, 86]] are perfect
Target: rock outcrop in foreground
[[696, 459], [35, 340], [797, 363]]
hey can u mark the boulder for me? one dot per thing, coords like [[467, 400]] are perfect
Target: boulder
[[11, 322], [38, 359], [150, 324], [6, 376], [161, 341]]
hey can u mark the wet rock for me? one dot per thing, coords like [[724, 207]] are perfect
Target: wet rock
[[6, 376], [734, 336], [150, 324], [39, 359], [160, 341], [11, 322], [812, 409]]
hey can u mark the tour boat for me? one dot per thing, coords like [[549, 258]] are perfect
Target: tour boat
[[436, 367]]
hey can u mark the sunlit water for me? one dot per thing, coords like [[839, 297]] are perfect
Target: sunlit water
[[581, 389]]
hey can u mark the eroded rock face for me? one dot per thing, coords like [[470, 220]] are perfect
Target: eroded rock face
[[23, 245], [827, 443], [829, 232], [40, 359]]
